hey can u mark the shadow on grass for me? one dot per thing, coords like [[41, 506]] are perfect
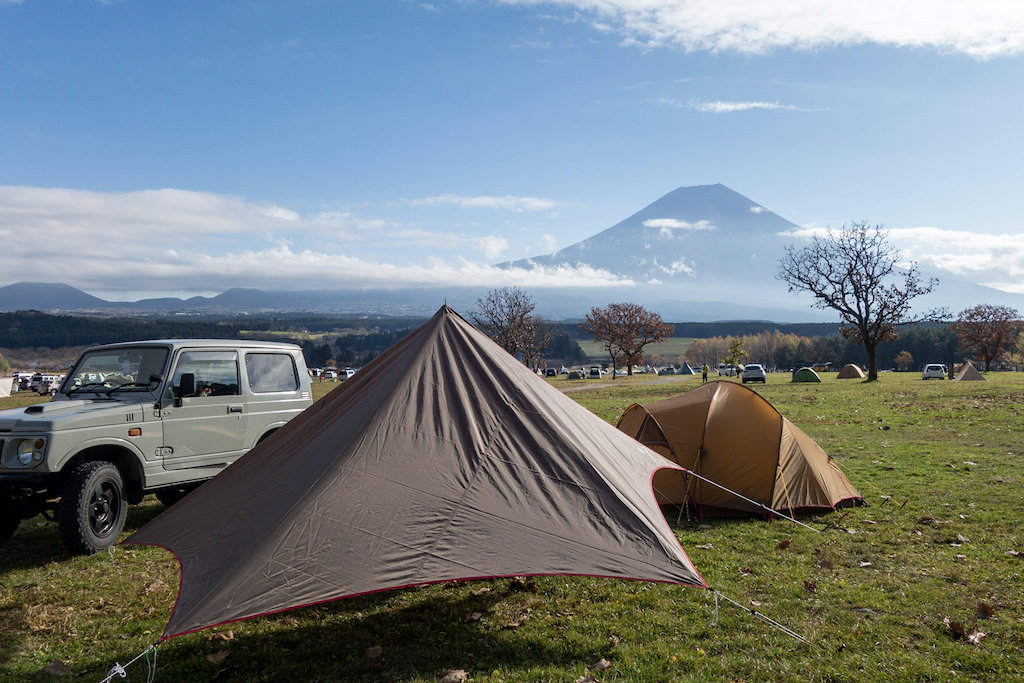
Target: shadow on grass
[[424, 639], [37, 542]]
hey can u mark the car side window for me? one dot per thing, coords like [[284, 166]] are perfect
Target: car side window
[[215, 372], [270, 372]]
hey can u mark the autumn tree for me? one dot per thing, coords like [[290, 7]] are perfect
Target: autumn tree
[[736, 353], [624, 330], [904, 360], [506, 316], [985, 331], [856, 273]]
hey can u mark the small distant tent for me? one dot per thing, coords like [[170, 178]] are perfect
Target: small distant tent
[[730, 434], [5, 386], [686, 370], [806, 375], [969, 373], [443, 459], [850, 371]]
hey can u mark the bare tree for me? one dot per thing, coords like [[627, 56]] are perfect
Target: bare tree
[[625, 329], [854, 272], [505, 315], [986, 330]]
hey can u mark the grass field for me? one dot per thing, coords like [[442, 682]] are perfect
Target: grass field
[[939, 462]]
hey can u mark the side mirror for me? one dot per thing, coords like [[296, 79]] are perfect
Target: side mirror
[[186, 387]]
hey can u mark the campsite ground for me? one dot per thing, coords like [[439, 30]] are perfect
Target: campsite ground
[[901, 589]]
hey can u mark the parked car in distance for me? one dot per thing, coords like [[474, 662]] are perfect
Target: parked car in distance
[[754, 372], [934, 371], [550, 372], [670, 370], [595, 372]]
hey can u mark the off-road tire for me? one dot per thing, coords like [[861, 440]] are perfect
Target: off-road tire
[[92, 508], [9, 521]]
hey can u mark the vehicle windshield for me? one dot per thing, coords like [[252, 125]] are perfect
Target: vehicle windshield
[[102, 370]]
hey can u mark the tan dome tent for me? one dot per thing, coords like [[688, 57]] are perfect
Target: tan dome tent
[[443, 459], [850, 371], [969, 373], [729, 434], [806, 375]]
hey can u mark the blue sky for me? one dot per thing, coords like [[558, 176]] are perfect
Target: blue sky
[[184, 148]]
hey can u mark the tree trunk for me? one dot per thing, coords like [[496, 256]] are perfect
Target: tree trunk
[[872, 362]]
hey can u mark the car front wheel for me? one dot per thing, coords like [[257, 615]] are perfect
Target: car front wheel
[[92, 508]]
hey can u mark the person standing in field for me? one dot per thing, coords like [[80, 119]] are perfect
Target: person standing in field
[[704, 373]]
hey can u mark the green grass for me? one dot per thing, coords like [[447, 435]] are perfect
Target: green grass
[[939, 463]]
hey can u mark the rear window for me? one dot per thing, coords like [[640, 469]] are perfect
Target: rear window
[[269, 372]]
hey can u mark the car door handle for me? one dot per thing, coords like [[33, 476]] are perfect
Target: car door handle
[[234, 409]]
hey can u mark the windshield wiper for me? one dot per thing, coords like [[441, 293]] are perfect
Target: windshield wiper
[[81, 387]]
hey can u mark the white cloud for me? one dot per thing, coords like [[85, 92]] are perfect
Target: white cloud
[[506, 203], [758, 209], [720, 107], [993, 260], [667, 226], [139, 243], [980, 28], [677, 267]]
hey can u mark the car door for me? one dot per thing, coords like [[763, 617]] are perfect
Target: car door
[[207, 427]]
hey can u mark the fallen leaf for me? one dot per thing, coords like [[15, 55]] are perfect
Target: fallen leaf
[[481, 591], [705, 546], [865, 563], [746, 571], [373, 652], [825, 564], [455, 676], [217, 657], [970, 463], [586, 679], [614, 639], [601, 665], [985, 610], [475, 616], [515, 623], [220, 635], [926, 520], [962, 539], [755, 603], [975, 636], [810, 586], [784, 544], [57, 668], [704, 527]]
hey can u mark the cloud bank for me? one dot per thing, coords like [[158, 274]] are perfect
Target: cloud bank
[[127, 246], [983, 29]]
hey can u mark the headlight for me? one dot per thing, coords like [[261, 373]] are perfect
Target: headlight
[[31, 451]]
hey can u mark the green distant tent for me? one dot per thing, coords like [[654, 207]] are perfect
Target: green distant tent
[[806, 375], [686, 370]]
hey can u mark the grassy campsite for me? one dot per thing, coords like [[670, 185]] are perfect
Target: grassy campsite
[[922, 583]]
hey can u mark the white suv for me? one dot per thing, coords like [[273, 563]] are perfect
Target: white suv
[[934, 371], [754, 372]]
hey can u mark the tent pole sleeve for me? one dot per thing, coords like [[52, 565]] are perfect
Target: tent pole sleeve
[[753, 502]]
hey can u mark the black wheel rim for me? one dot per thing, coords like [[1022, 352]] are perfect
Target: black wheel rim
[[104, 508]]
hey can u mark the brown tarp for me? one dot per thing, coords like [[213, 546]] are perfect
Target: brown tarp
[[850, 371], [730, 434], [443, 459]]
